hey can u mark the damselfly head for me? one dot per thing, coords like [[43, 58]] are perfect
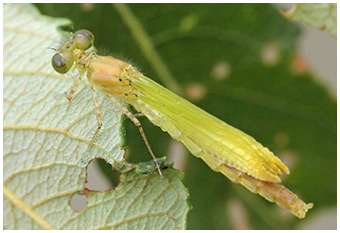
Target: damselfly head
[[83, 39], [62, 61], [65, 57]]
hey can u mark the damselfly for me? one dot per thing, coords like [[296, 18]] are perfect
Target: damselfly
[[224, 148]]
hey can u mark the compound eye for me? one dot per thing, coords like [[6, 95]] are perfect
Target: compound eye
[[83, 39], [62, 62]]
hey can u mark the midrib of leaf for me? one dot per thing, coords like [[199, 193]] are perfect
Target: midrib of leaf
[[26, 209]]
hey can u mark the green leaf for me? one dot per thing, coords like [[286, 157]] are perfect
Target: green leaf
[[238, 62], [319, 15], [46, 144]]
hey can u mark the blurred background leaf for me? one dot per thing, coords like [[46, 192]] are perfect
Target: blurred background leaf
[[238, 62]]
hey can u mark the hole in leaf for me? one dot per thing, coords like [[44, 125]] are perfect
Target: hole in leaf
[[178, 153], [101, 176], [78, 202]]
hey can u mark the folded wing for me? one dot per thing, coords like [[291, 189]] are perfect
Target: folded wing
[[205, 135]]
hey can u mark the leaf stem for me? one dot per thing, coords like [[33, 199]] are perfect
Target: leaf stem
[[145, 43]]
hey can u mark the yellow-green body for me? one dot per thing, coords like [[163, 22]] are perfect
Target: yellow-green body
[[204, 135]]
